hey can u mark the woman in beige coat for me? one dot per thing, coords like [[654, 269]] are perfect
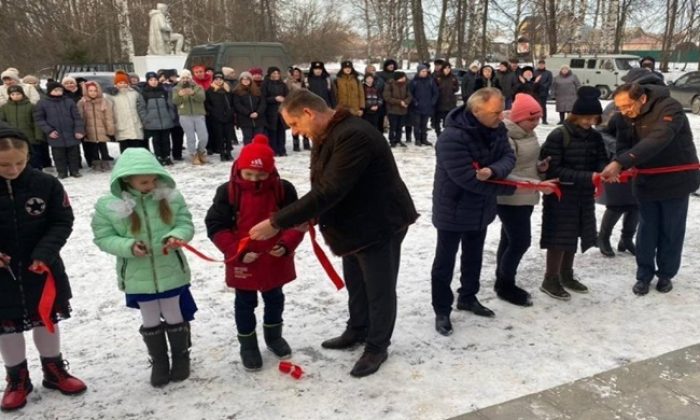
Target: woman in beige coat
[[98, 114], [126, 100]]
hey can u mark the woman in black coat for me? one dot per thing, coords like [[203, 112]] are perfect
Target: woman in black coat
[[249, 105], [274, 90], [577, 153], [219, 106], [487, 78], [36, 220]]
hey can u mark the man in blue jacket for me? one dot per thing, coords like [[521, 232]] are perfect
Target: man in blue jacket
[[473, 149]]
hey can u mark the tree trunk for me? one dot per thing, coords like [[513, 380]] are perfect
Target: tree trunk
[[484, 41], [368, 31], [551, 24], [125, 37], [419, 31], [667, 48], [441, 29]]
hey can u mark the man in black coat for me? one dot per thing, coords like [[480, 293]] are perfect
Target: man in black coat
[[469, 81], [507, 81], [363, 209], [656, 134], [543, 79]]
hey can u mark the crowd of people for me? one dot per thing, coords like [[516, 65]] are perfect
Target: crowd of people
[[489, 163]]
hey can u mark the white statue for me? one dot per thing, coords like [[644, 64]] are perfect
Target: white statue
[[161, 38]]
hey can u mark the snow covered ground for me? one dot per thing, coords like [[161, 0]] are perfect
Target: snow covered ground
[[427, 376]]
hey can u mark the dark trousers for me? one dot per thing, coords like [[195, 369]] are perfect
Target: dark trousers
[[36, 157], [543, 103], [43, 150], [161, 142], [420, 127], [278, 138], [370, 276], [222, 137], [515, 240], [125, 144], [444, 263], [372, 118], [177, 137], [247, 301], [249, 133], [295, 141], [660, 237], [508, 103], [381, 114], [440, 121], [95, 151], [630, 219], [209, 122], [66, 159], [396, 123]]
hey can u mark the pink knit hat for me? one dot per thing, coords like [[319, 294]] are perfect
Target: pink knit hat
[[524, 108]]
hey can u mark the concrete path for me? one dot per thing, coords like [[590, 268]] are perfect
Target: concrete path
[[663, 388]]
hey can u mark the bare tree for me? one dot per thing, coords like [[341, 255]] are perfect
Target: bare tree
[[667, 42], [419, 30]]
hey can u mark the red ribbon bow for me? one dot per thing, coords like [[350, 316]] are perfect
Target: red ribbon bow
[[288, 367], [627, 175], [48, 296]]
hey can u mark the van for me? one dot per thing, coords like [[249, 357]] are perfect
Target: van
[[603, 71], [240, 56]]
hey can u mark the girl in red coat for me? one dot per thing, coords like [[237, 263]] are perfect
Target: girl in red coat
[[252, 194]]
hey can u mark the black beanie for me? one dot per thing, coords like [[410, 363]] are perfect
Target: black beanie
[[9, 132], [398, 75], [50, 86], [15, 89], [587, 102], [273, 69]]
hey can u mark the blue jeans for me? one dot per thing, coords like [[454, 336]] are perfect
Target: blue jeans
[[444, 264], [660, 237], [515, 240]]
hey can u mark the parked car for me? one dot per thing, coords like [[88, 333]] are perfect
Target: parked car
[[603, 71], [240, 55], [686, 90]]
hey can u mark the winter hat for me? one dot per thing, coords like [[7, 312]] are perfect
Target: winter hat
[[587, 102], [218, 74], [15, 89], [346, 64], [228, 71], [439, 62], [50, 86], [317, 65], [420, 68], [245, 75], [9, 132], [527, 68], [648, 59], [398, 75], [257, 155], [30, 79], [390, 62], [524, 108], [273, 69], [121, 76], [256, 71], [9, 73], [185, 74], [198, 67], [151, 75]]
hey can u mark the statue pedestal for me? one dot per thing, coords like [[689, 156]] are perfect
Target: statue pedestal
[[146, 63]]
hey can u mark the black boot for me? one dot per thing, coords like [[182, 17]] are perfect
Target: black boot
[[250, 353], [275, 342], [473, 305], [348, 339], [157, 346], [664, 285], [610, 218], [18, 387], [307, 145], [640, 288], [629, 228], [571, 282], [180, 343], [443, 325], [368, 363], [552, 286], [295, 144]]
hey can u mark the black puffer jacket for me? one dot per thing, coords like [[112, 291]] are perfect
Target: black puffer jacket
[[219, 105], [36, 220], [357, 193], [563, 222], [323, 87], [659, 136], [245, 103], [270, 90], [447, 87]]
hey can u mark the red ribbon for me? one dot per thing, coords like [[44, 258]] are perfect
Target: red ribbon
[[528, 185], [242, 244], [323, 259], [48, 296], [627, 175]]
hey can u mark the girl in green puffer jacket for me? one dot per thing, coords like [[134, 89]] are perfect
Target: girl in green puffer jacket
[[141, 222]]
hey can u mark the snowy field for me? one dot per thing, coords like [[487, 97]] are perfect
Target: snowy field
[[427, 376]]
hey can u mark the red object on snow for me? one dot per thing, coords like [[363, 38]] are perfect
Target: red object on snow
[[48, 297], [288, 367]]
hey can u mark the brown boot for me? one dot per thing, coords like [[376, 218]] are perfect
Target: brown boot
[[196, 160], [203, 157]]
